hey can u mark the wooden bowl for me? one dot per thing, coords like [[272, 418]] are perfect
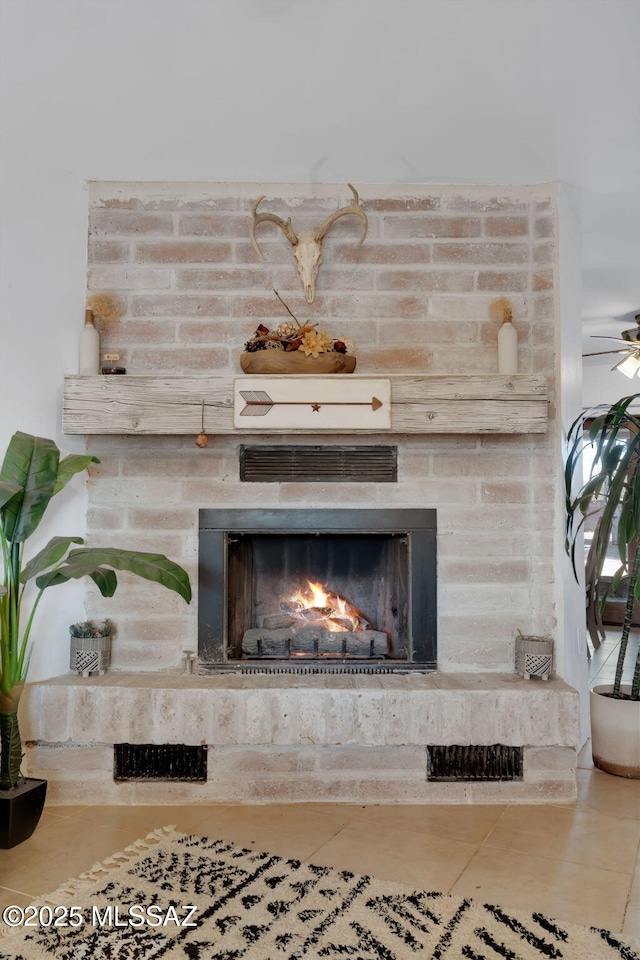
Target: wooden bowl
[[281, 362]]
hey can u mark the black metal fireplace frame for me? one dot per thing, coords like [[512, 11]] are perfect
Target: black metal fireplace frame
[[216, 526]]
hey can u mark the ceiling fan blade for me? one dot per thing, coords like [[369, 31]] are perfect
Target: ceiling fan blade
[[601, 353], [597, 336]]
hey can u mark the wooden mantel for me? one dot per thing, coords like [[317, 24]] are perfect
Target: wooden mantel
[[132, 404]]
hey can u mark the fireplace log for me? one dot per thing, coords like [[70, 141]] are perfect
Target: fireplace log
[[314, 640], [297, 612], [291, 606], [345, 623], [313, 614], [277, 620]]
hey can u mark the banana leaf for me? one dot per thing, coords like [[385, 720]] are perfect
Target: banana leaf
[[8, 490], [54, 551], [67, 468], [32, 464], [90, 560]]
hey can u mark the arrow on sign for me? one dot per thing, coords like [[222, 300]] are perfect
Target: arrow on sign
[[259, 400], [258, 403]]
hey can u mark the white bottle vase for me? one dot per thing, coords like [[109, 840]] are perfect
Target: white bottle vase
[[507, 348], [89, 354]]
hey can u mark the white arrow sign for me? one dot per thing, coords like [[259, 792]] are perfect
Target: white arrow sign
[[258, 403], [331, 403]]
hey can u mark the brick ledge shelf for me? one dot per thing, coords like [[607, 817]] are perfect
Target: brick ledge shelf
[[281, 739], [133, 404]]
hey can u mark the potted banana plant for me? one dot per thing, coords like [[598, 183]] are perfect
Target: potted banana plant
[[31, 475], [612, 486]]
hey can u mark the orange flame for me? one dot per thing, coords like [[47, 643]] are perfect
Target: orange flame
[[319, 597]]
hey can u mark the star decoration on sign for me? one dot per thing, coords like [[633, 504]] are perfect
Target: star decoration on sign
[[315, 407]]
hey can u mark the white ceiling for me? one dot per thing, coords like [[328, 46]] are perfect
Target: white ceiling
[[479, 91]]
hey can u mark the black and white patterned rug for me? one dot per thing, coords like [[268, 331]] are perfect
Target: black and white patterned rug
[[176, 896]]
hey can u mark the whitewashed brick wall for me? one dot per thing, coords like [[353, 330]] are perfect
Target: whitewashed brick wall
[[415, 299]]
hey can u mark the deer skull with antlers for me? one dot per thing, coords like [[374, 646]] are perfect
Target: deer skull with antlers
[[307, 245]]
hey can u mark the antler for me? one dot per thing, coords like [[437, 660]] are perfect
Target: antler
[[285, 226], [354, 207]]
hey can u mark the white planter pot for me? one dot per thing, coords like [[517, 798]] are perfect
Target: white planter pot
[[615, 732]]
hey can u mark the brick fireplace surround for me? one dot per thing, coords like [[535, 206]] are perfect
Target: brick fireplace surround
[[415, 299]]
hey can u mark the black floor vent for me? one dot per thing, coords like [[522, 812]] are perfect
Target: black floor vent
[[495, 762], [318, 463], [153, 761]]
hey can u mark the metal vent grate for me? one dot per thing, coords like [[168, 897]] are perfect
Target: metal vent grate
[[165, 761], [262, 464], [494, 762], [319, 669], [240, 667]]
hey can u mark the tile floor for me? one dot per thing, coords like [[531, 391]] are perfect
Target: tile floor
[[602, 668], [579, 862]]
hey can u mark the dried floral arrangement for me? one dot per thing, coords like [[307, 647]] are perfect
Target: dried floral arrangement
[[289, 336], [107, 307], [501, 309]]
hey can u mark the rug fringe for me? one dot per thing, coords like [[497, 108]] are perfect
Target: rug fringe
[[75, 886], [99, 871]]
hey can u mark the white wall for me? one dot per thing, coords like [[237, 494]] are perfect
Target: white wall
[[364, 90], [601, 384], [571, 594]]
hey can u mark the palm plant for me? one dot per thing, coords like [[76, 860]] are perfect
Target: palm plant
[[32, 474], [614, 484]]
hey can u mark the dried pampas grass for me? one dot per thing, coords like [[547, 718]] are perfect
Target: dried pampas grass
[[107, 307], [501, 309]]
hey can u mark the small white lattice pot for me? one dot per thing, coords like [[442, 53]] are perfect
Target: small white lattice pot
[[90, 655], [534, 657]]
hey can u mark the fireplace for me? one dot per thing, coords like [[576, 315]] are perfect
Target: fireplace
[[317, 590], [433, 259]]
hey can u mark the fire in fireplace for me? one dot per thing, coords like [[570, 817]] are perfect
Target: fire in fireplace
[[334, 587], [315, 622], [333, 611]]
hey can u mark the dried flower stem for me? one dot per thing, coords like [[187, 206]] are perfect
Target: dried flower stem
[[287, 308]]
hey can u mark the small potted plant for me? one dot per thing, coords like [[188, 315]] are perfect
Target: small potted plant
[[32, 474], [613, 487], [90, 647], [534, 656]]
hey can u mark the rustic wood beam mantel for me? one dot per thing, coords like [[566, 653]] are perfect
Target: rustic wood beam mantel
[[160, 405]]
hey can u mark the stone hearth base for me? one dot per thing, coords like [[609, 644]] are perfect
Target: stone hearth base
[[284, 739]]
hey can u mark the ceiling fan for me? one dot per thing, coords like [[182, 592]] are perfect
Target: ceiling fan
[[630, 363]]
